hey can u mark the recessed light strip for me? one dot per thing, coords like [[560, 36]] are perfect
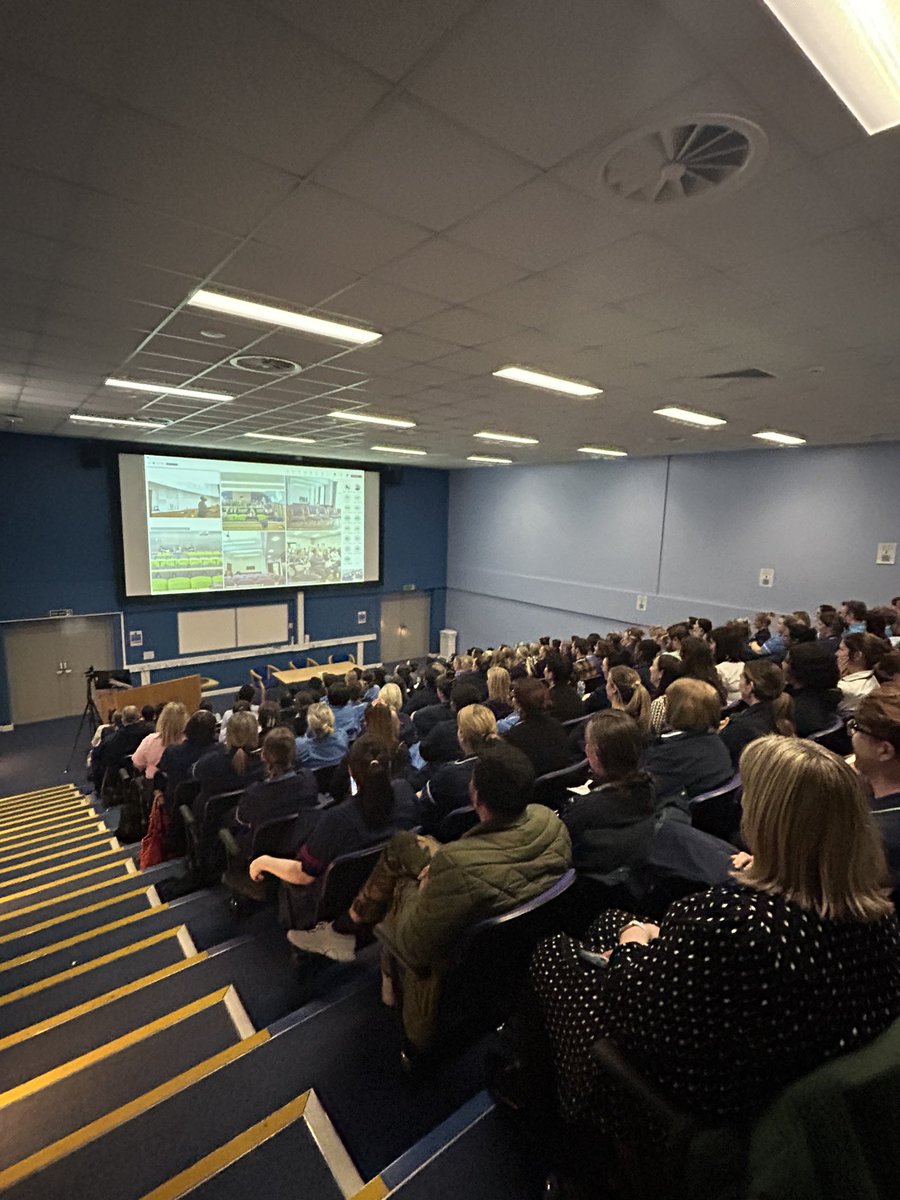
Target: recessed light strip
[[122, 422], [689, 416], [512, 438], [487, 458], [365, 419], [281, 437], [552, 383], [603, 451], [269, 314], [400, 450], [781, 439], [855, 47], [166, 389]]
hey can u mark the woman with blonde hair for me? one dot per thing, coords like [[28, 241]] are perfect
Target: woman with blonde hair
[[499, 687], [322, 745], [169, 732], [690, 758], [234, 765], [764, 979], [626, 692], [476, 729], [392, 696]]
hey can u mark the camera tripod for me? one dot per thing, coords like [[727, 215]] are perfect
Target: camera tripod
[[90, 714]]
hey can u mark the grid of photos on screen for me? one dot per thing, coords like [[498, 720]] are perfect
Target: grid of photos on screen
[[185, 530], [314, 531]]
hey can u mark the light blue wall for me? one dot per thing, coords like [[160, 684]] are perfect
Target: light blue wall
[[553, 550]]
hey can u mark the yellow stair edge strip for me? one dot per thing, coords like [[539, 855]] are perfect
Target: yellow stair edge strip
[[93, 836], [96, 1129], [85, 891], [18, 836], [79, 1010], [58, 788], [31, 989], [74, 862], [42, 887], [64, 1070], [78, 938], [73, 914], [216, 1161], [43, 809], [45, 841], [9, 832]]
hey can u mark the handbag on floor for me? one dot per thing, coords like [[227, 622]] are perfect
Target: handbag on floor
[[155, 842]]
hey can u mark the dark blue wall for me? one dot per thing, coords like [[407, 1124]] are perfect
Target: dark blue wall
[[60, 550]]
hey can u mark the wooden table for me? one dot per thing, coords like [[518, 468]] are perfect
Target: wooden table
[[296, 675], [186, 689]]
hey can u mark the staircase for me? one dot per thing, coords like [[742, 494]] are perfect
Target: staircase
[[156, 1050]]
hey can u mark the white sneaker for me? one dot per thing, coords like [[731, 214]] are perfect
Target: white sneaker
[[324, 939]]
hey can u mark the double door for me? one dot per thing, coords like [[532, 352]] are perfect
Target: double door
[[46, 661]]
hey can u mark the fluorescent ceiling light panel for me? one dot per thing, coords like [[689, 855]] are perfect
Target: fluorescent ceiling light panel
[[782, 439], [166, 389], [552, 383], [603, 451], [689, 416], [281, 437], [268, 314], [400, 450], [487, 458], [123, 422], [512, 438], [393, 422], [855, 47]]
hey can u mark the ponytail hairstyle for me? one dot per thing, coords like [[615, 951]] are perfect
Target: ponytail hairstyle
[[767, 684], [476, 728], [369, 761], [319, 719], [634, 699], [618, 743], [242, 736], [382, 723]]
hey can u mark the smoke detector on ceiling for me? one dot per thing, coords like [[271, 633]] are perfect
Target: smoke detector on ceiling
[[263, 364], [694, 157]]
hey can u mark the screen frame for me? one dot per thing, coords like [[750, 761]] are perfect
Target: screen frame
[[110, 451]]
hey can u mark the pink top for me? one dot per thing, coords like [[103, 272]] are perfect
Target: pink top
[[149, 752]]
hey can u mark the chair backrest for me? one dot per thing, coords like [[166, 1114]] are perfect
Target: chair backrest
[[215, 807], [343, 879], [718, 812], [834, 726], [724, 789], [456, 823], [550, 789], [576, 722], [283, 836]]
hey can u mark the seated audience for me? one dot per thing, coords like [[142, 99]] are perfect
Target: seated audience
[[812, 676], [761, 630], [439, 745], [448, 788], [700, 627], [768, 708], [830, 629], [691, 758], [565, 703], [372, 681], [614, 824], [169, 730], [232, 766], [626, 692], [644, 653], [267, 717], [322, 745], [875, 732], [121, 744], [703, 1005], [149, 713], [379, 807], [729, 653], [347, 715], [245, 694], [888, 670], [283, 792], [426, 717], [698, 662], [675, 635], [538, 734], [392, 696], [177, 762], [425, 692], [427, 896], [664, 670], [857, 658], [499, 699], [853, 613]]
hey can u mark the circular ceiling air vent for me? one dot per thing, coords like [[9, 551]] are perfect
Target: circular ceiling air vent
[[262, 364], [691, 158]]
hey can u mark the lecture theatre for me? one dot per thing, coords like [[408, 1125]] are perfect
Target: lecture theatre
[[450, 612]]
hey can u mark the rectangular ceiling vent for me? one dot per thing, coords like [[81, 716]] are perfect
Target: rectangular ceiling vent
[[746, 373]]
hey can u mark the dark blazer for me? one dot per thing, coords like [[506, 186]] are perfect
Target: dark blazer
[[745, 727], [123, 742], [613, 826], [690, 762], [814, 710], [425, 719], [886, 812], [544, 741], [565, 703]]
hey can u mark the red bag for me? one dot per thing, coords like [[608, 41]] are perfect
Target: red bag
[[155, 843]]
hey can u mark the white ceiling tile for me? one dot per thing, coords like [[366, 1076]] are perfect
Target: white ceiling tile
[[638, 264], [415, 347], [502, 73], [543, 224], [464, 327], [45, 125], [533, 301], [866, 174], [383, 305], [293, 281], [722, 28], [341, 230], [388, 38], [449, 271], [122, 278], [413, 163]]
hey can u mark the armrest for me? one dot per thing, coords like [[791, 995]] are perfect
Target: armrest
[[187, 816], [226, 837], [383, 935], [616, 1067]]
